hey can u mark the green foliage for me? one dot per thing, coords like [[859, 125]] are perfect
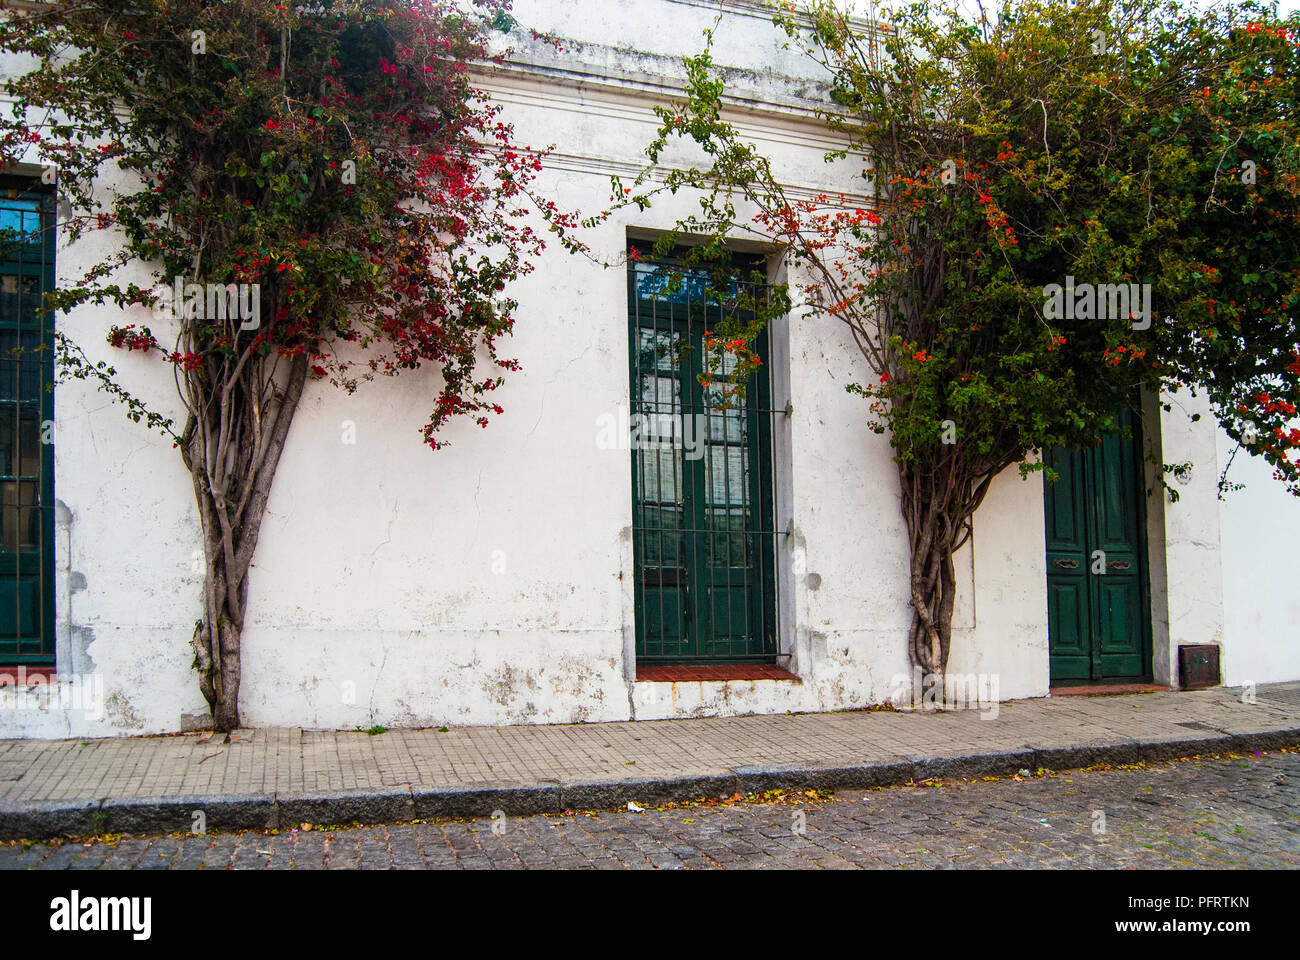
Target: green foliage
[[1062, 208], [335, 167], [1106, 141], [340, 159]]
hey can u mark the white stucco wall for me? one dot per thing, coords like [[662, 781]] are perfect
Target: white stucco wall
[[490, 583], [1260, 527], [1224, 575], [1191, 610]]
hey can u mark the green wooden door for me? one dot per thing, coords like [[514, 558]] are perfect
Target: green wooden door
[[701, 485], [26, 412], [1099, 622]]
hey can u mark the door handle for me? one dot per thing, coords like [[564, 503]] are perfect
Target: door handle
[[1118, 564], [1065, 563]]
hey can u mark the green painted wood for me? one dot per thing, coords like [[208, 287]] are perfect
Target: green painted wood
[[704, 590], [1068, 598], [26, 411], [1099, 621]]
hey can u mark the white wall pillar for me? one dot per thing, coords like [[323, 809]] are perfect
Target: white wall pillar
[[1193, 601]]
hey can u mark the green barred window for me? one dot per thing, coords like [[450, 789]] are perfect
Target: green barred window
[[26, 412], [702, 492]]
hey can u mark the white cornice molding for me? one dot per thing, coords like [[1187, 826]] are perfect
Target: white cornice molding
[[759, 10], [599, 96], [777, 106], [657, 72], [603, 167], [741, 8]]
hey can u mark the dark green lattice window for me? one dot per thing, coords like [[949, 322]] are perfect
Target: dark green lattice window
[[702, 492], [26, 422]]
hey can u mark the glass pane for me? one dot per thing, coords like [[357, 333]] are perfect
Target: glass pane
[[660, 394], [24, 458], [658, 350], [29, 443], [726, 481], [668, 284], [727, 505], [20, 517], [20, 220], [727, 425], [721, 361], [21, 359], [660, 476], [655, 431], [663, 536], [20, 300]]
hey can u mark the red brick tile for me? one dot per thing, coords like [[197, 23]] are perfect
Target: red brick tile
[[713, 671]]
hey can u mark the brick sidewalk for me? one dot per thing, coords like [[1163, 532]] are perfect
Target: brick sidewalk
[[154, 784]]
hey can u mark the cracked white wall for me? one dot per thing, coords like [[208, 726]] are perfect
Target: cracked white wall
[[1260, 528], [490, 583]]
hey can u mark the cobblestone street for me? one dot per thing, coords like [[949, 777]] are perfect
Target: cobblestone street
[[1204, 812]]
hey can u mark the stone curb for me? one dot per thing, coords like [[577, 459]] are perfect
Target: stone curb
[[362, 804], [40, 821], [484, 800], [222, 811], [43, 821], [647, 791]]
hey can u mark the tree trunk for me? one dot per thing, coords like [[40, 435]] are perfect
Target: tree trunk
[[938, 501], [933, 589], [232, 445]]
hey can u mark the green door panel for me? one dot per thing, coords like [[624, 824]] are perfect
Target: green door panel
[[1099, 623], [1068, 616], [1119, 632]]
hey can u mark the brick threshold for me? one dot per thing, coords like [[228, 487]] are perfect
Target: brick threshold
[[721, 671], [10, 672], [1107, 689]]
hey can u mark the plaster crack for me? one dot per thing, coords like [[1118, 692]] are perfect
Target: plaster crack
[[383, 663], [541, 404]]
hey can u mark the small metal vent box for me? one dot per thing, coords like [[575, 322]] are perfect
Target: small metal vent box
[[1198, 666]]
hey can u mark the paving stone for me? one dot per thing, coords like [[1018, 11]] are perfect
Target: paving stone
[[1208, 812], [283, 776]]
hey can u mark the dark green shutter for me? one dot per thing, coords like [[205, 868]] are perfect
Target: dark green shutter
[[26, 417], [703, 534], [1099, 625]]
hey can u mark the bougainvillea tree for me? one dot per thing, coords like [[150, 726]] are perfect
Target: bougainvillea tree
[[320, 193], [1061, 205]]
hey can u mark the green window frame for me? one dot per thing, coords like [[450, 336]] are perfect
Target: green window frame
[[704, 541], [27, 243]]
